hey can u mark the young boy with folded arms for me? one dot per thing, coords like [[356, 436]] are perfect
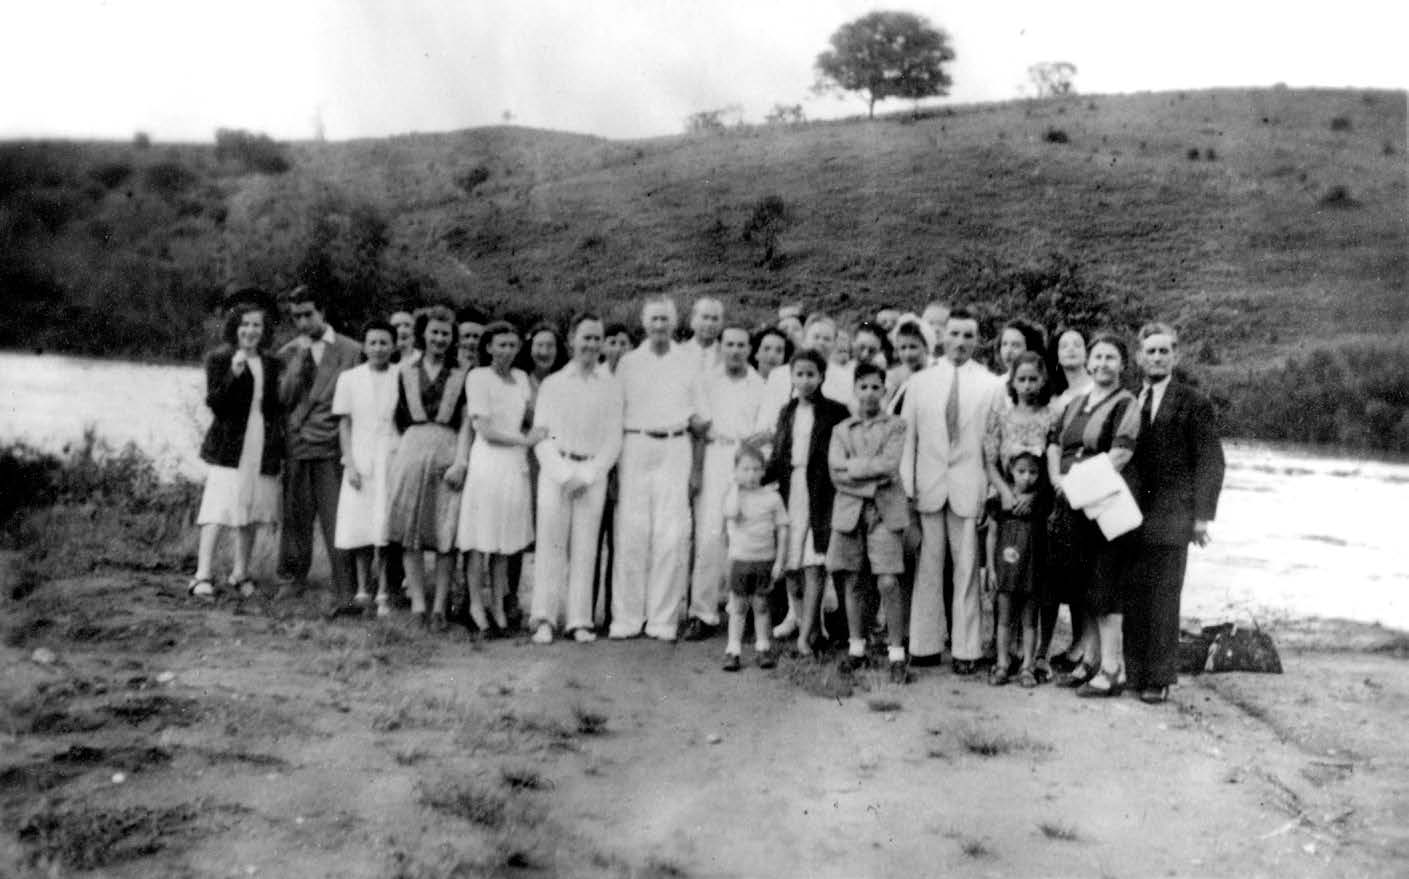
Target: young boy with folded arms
[[869, 517]]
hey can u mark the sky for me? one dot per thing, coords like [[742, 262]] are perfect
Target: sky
[[179, 69]]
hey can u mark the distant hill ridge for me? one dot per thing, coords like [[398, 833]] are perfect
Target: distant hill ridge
[[1257, 220]]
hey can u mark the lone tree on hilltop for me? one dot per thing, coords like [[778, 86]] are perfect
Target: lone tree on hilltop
[[887, 55], [1052, 78]]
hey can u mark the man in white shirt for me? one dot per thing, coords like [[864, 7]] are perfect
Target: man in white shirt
[[946, 410], [733, 396], [662, 402], [580, 407], [706, 321]]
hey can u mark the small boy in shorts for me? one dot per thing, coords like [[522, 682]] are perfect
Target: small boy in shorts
[[869, 517], [756, 528]]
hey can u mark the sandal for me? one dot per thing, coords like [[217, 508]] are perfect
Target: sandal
[[998, 676], [201, 587], [1042, 671], [1103, 686], [1078, 676], [1027, 679]]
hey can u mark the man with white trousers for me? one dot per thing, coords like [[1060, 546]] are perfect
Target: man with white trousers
[[946, 411], [660, 382], [580, 407], [733, 396]]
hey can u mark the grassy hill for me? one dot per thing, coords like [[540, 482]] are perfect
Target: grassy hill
[[1260, 221]]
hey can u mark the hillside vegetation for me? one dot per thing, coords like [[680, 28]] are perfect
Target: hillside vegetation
[[1260, 221]]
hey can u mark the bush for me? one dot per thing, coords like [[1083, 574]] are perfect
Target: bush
[[769, 218], [1355, 394], [1341, 123], [111, 175], [1056, 135], [471, 179], [169, 178], [141, 140], [1210, 155], [255, 153], [1192, 154]]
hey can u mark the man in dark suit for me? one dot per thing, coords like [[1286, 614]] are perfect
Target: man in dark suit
[[311, 364], [1178, 463]]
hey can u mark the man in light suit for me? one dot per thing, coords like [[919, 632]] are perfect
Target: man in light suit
[[312, 362], [1178, 463], [946, 410]]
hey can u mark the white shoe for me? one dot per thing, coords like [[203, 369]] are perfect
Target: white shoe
[[383, 609], [584, 636], [787, 628], [362, 599], [543, 634]]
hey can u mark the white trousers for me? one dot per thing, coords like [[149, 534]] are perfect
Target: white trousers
[[943, 533], [566, 554], [652, 536], [711, 561]]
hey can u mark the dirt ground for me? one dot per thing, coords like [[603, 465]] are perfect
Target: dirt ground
[[149, 737]]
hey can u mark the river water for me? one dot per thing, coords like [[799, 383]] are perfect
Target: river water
[[1298, 534]]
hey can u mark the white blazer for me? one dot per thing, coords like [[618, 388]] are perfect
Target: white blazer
[[933, 473]]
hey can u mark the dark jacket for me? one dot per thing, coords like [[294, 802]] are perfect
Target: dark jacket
[[306, 391], [228, 397], [1179, 463], [827, 414]]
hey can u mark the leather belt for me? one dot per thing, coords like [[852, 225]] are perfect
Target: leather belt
[[659, 434]]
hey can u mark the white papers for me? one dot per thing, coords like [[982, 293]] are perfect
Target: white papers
[[1093, 486]]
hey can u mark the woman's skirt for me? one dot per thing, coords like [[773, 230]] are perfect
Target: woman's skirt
[[496, 514], [1083, 567], [802, 550], [241, 495], [423, 508]]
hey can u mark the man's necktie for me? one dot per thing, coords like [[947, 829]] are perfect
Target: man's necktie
[[1147, 408], [951, 411]]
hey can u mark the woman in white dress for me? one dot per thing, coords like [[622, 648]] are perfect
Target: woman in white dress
[[243, 445], [365, 397], [496, 514]]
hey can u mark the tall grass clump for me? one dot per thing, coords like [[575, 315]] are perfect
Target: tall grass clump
[[94, 505]]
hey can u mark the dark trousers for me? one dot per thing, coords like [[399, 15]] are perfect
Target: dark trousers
[[1152, 615], [311, 491]]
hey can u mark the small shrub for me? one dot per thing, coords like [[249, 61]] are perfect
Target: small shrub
[[769, 219], [1338, 196], [469, 802], [255, 153], [523, 778], [589, 722], [882, 705], [976, 849], [169, 178], [1210, 155], [1192, 154], [1341, 123], [1388, 149], [142, 140], [1056, 135], [470, 179], [111, 174]]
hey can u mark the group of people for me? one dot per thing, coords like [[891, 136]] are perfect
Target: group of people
[[883, 474]]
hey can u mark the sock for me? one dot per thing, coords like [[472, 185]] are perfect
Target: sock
[[762, 645], [896, 654], [856, 646], [735, 648]]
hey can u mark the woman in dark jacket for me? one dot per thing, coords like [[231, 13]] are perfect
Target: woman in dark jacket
[[798, 465], [243, 445]]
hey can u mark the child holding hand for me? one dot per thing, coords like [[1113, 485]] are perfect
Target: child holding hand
[[1012, 559], [756, 528]]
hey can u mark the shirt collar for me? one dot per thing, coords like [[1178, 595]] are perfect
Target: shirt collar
[[1159, 385], [594, 371], [328, 334]]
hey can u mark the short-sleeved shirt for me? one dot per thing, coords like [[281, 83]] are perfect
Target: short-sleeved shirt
[[751, 518], [1011, 431]]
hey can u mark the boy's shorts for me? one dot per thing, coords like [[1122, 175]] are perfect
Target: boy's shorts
[[885, 548], [750, 578]]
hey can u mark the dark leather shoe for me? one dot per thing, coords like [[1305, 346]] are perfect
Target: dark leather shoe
[[732, 662], [698, 630], [965, 667], [1154, 695], [766, 660]]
